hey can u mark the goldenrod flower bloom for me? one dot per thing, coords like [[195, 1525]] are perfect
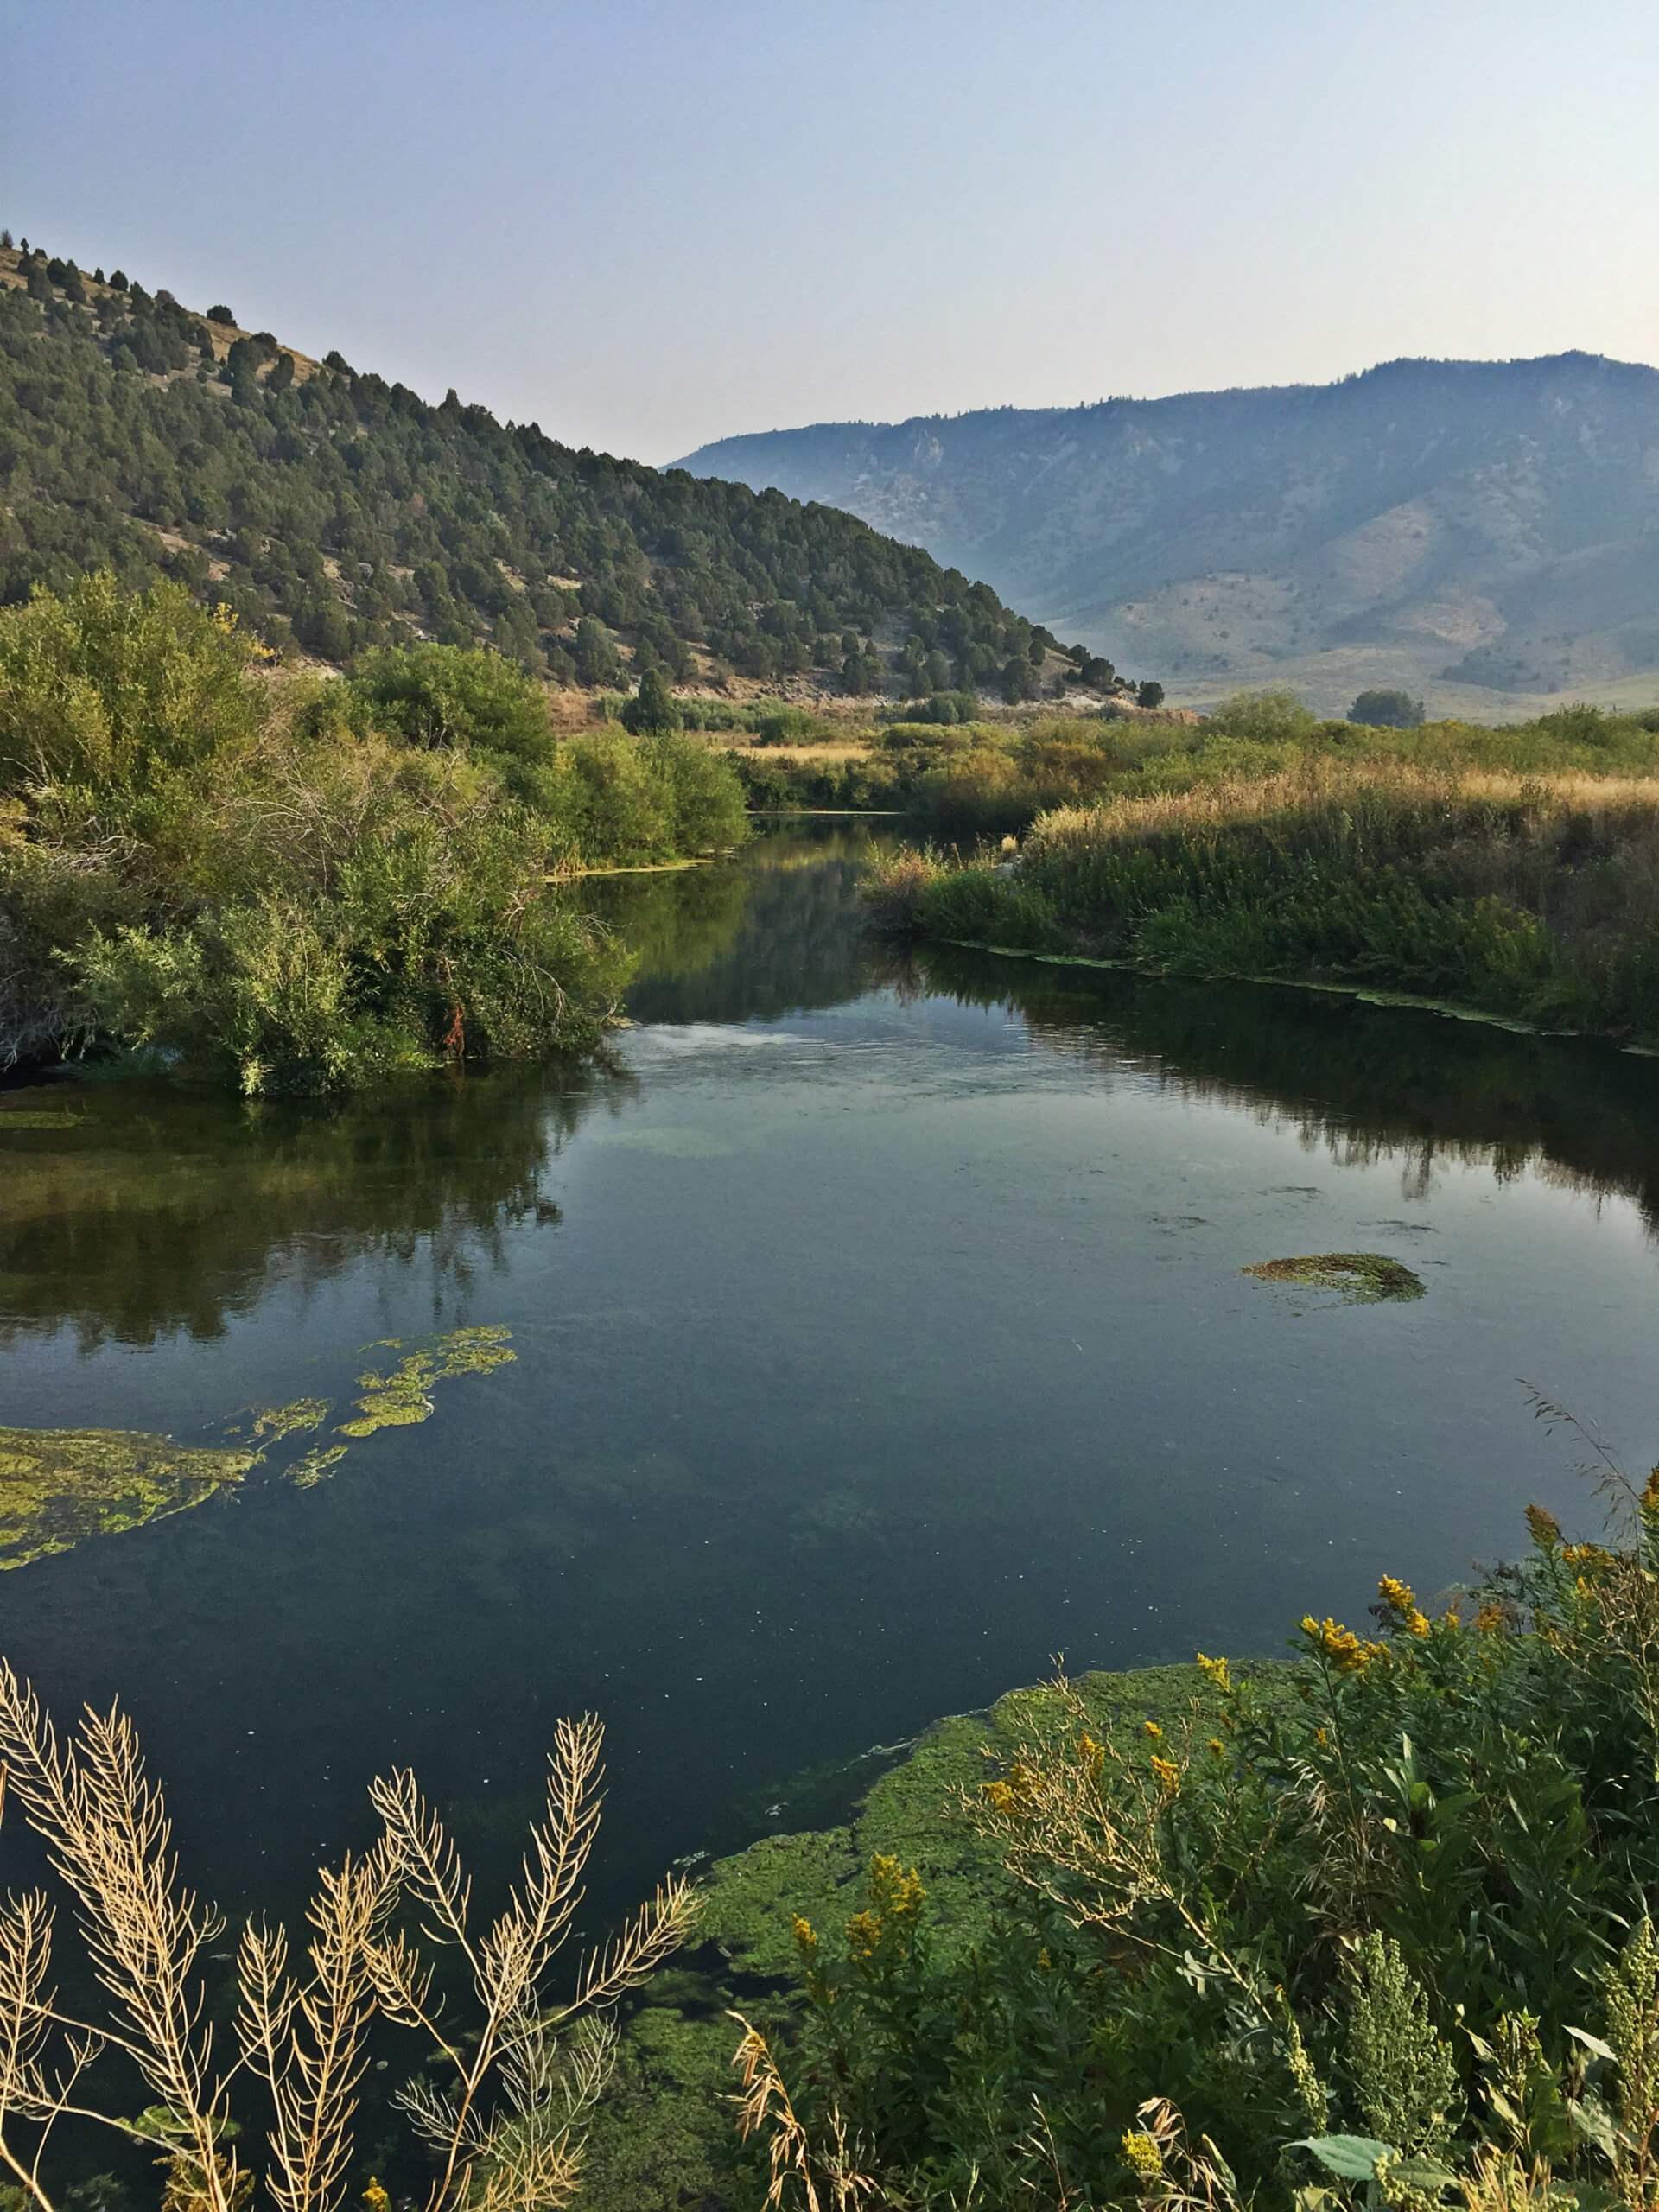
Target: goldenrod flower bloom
[[1168, 1774], [806, 1937], [1339, 1645], [1217, 1671], [1153, 1729], [893, 1890], [1141, 2154], [863, 1934], [1399, 1597]]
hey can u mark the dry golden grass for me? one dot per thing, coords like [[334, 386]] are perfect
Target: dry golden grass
[[504, 2108], [1319, 780]]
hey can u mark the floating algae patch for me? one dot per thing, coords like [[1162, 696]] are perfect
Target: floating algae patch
[[400, 1398], [60, 1487], [274, 1424], [313, 1466], [32, 1114], [1360, 1278]]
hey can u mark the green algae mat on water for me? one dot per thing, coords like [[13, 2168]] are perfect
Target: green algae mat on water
[[1359, 1278], [60, 1486], [403, 1397]]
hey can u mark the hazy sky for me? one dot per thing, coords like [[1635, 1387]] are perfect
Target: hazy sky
[[647, 225]]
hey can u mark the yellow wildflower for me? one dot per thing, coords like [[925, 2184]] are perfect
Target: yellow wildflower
[[894, 1891], [1399, 1597], [1321, 1737], [1594, 1557], [1489, 1619], [1092, 1753], [1153, 1729], [1217, 1747], [863, 1934], [806, 1937], [1339, 1645], [376, 2197], [1415, 1622], [1141, 2155], [1545, 1528], [997, 1795], [1217, 1671], [1168, 1774]]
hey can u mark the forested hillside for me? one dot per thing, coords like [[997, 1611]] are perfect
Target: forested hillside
[[1484, 532], [334, 511]]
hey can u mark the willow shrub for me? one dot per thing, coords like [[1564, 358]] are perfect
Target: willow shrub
[[1376, 1928], [247, 874]]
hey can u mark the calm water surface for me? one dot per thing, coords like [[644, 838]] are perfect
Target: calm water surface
[[880, 1333]]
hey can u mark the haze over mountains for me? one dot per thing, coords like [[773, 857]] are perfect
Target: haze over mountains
[[1486, 533]]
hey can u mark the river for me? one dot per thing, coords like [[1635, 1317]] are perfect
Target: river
[[881, 1332]]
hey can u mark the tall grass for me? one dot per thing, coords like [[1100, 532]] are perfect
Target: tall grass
[[1529, 895]]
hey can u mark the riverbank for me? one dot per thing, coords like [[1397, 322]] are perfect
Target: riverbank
[[281, 884], [1527, 898], [1247, 1930], [668, 2135]]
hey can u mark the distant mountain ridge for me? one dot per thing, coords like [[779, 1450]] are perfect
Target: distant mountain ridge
[[1466, 527]]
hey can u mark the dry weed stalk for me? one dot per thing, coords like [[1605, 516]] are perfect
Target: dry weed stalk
[[1174, 2174], [765, 2104], [506, 2134], [1077, 1822]]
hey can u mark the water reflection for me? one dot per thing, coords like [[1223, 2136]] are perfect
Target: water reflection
[[147, 1210], [881, 1329], [136, 1211], [778, 931], [1364, 1083]]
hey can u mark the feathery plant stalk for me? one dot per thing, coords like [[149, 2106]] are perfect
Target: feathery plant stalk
[[519, 2076]]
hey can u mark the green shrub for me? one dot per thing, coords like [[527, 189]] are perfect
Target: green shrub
[[1394, 1903], [297, 885]]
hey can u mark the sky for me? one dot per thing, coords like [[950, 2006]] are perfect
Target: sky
[[647, 226]]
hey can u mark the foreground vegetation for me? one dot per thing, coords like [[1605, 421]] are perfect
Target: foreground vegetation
[[502, 2104], [1376, 1928], [1372, 1927], [1513, 871], [293, 884]]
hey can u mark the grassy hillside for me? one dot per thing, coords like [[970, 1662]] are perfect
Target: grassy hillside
[[335, 511], [1481, 532]]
